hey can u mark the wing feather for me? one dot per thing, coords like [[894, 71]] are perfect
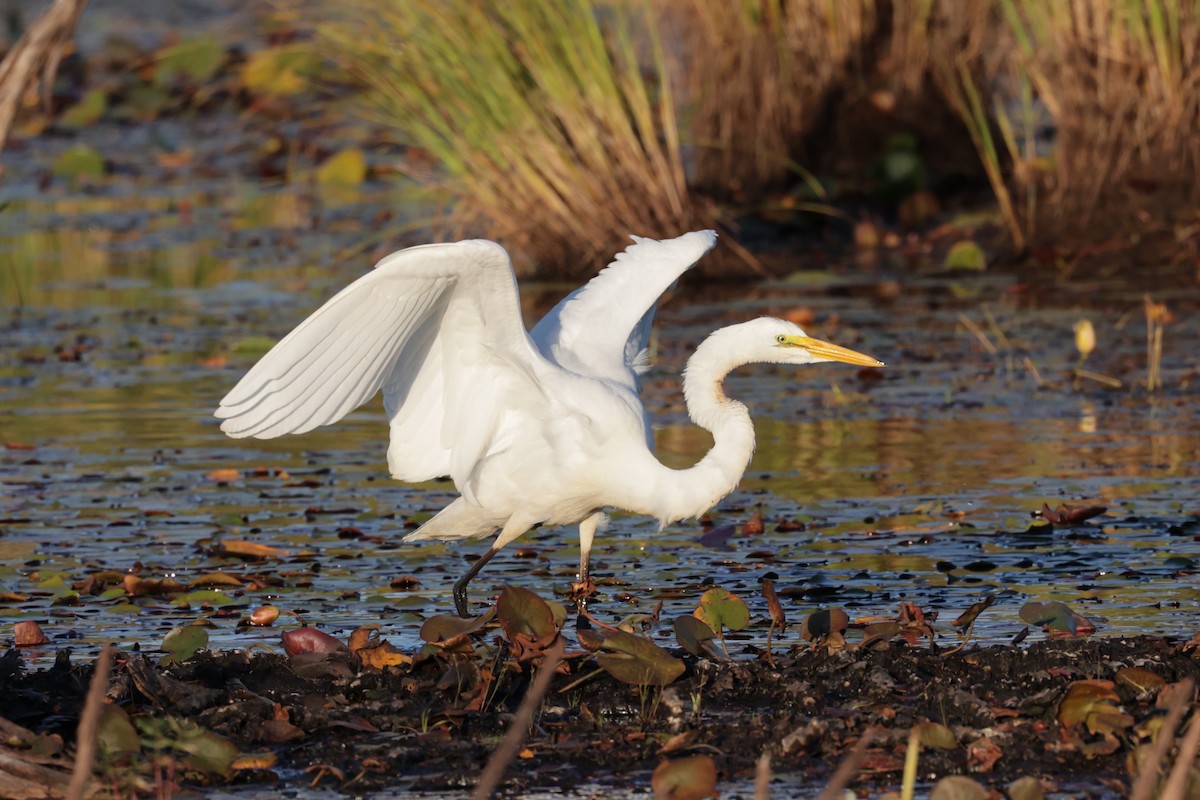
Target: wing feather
[[602, 328], [389, 330]]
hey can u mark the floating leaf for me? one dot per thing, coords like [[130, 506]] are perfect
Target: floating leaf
[[280, 71], [183, 642], [78, 164], [966, 255], [236, 547], [224, 475], [213, 598], [345, 168], [28, 634], [694, 635], [196, 59], [824, 622], [721, 609], [88, 111], [691, 778], [638, 661], [142, 587], [520, 611]]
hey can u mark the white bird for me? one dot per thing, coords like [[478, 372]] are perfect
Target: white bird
[[545, 427]]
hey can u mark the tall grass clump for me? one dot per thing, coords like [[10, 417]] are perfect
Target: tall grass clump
[[1121, 81], [553, 123], [762, 75]]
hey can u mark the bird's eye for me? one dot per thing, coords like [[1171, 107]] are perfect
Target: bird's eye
[[781, 338]]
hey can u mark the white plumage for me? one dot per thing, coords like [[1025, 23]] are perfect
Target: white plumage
[[539, 427]]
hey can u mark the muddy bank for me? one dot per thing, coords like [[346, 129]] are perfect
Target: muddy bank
[[1070, 713]]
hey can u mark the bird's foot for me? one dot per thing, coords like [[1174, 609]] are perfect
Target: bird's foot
[[581, 590]]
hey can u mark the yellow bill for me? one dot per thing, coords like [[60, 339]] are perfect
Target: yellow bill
[[833, 352]]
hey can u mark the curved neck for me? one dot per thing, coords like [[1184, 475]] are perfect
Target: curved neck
[[680, 494]]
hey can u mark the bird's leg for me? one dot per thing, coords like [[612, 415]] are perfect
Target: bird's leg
[[460, 586], [584, 587]]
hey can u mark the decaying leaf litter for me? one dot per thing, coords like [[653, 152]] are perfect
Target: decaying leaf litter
[[880, 507]]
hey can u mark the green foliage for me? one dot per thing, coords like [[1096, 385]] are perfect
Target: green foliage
[[554, 122]]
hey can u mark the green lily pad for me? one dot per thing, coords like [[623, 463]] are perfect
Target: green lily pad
[[520, 611], [196, 59], [183, 642], [966, 256], [637, 660], [345, 168], [79, 164], [721, 609], [694, 635]]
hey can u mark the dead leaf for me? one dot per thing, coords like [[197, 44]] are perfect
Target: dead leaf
[[691, 778], [1071, 515], [224, 475], [28, 634]]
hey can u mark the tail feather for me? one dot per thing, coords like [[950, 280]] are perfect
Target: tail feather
[[459, 520]]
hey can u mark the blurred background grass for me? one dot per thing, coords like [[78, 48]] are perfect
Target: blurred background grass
[[560, 128]]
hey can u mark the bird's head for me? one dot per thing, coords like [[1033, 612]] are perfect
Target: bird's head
[[777, 341]]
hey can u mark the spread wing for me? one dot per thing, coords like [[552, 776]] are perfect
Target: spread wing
[[602, 329], [436, 327]]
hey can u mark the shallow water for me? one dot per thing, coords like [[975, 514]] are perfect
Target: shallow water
[[127, 317]]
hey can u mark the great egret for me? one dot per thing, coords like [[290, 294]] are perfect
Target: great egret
[[545, 427]]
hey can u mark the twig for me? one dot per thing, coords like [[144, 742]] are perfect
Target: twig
[[978, 333], [89, 724], [848, 768], [40, 49], [1143, 788], [1183, 761], [762, 777], [1098, 378], [909, 782], [514, 737]]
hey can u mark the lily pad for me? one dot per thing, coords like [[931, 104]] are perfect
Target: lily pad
[[694, 635], [721, 609], [520, 611], [637, 660], [183, 642], [443, 627], [1054, 615], [823, 623], [966, 256]]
